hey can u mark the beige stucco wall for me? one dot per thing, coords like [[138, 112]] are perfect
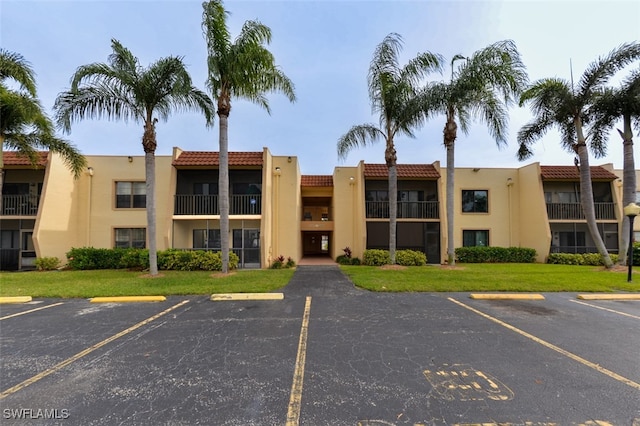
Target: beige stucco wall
[[59, 225], [286, 209], [348, 211], [532, 221], [82, 213]]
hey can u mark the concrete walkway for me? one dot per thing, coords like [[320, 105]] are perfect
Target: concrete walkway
[[320, 280]]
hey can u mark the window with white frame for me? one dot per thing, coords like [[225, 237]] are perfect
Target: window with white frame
[[131, 195], [130, 237]]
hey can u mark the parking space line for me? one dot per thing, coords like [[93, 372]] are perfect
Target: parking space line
[[293, 413], [85, 352], [31, 310], [605, 309], [551, 346]]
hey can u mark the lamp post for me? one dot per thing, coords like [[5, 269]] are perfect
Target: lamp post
[[631, 211]]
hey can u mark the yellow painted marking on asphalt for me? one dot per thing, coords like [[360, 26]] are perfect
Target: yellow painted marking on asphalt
[[246, 296], [293, 413], [551, 346], [609, 296], [15, 299], [31, 310], [606, 309], [85, 352], [463, 383], [506, 296], [125, 299]]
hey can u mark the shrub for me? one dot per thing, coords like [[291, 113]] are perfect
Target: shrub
[[194, 260], [343, 260], [636, 254], [593, 259], [135, 259], [290, 263], [495, 255], [94, 258], [355, 261], [411, 258], [47, 263], [278, 262], [376, 257]]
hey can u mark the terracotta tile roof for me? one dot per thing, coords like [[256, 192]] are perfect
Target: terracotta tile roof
[[211, 158], [316, 180], [13, 158], [425, 171], [572, 173]]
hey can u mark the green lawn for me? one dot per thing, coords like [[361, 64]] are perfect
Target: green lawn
[[493, 277], [464, 277], [126, 283]]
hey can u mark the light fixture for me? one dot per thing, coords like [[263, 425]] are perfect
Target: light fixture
[[288, 159], [90, 171], [277, 171], [509, 182], [352, 180], [130, 158], [631, 211], [476, 170]]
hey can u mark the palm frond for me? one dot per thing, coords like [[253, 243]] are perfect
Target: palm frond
[[214, 27], [358, 136], [603, 68], [14, 66]]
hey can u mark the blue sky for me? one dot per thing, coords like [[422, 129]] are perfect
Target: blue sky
[[325, 47]]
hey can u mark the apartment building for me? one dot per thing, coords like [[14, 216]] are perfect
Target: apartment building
[[277, 211]]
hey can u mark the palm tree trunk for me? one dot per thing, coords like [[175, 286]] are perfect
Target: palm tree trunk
[[586, 195], [223, 190], [450, 134], [393, 211], [629, 186], [149, 146]]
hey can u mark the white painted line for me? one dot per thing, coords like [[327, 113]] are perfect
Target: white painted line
[[551, 346], [606, 309], [31, 310]]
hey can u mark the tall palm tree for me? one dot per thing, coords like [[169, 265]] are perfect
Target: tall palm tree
[[242, 68], [122, 90], [393, 92], [482, 87], [556, 103], [609, 106], [24, 126]]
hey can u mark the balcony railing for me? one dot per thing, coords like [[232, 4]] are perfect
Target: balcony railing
[[573, 211], [406, 209], [208, 205], [20, 205]]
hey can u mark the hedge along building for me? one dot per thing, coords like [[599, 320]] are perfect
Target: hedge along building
[[277, 211]]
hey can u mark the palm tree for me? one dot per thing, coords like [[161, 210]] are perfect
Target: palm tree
[[609, 106], [121, 90], [393, 92], [556, 103], [24, 126], [243, 68], [482, 87]]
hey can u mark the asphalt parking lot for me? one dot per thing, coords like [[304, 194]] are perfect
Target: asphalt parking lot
[[326, 354]]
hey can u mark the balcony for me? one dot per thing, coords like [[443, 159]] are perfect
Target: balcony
[[406, 209], [20, 205], [573, 211], [207, 205]]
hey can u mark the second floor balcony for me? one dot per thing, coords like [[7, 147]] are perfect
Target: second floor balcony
[[406, 209], [573, 211], [20, 205], [208, 205]]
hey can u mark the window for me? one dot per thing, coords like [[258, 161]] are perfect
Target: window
[[131, 195], [206, 239], [205, 188], [131, 237], [476, 201], [475, 238]]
